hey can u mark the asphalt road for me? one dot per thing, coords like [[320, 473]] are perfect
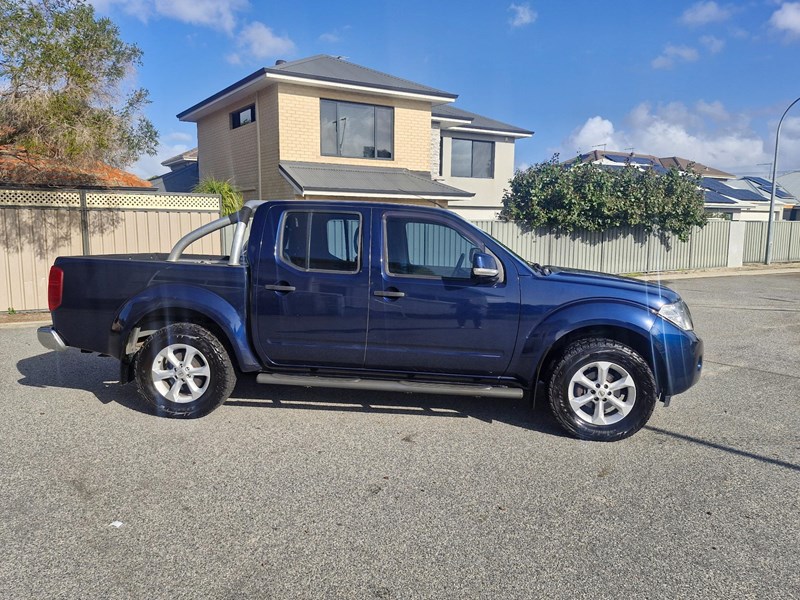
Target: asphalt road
[[290, 493]]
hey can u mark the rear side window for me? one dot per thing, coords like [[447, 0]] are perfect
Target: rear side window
[[427, 249], [322, 241]]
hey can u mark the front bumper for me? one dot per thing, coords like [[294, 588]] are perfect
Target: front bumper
[[49, 338]]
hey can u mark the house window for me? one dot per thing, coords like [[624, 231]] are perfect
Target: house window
[[356, 130], [243, 116], [472, 158]]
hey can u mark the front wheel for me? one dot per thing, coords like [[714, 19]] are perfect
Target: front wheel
[[602, 390], [183, 370]]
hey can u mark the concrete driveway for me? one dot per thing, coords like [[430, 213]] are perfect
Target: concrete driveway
[[290, 493]]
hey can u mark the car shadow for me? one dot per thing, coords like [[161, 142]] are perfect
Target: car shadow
[[100, 375]]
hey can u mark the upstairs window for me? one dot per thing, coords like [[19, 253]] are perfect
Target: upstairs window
[[471, 158], [243, 116], [356, 130]]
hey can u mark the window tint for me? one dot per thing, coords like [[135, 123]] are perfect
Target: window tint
[[356, 130], [472, 158], [321, 241], [243, 116], [416, 247]]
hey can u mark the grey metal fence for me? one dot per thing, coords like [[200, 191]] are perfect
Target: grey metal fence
[[785, 241], [622, 250]]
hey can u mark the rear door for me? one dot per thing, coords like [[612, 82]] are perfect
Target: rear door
[[427, 312], [311, 287]]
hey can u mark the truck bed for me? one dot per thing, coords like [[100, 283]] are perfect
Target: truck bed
[[98, 288]]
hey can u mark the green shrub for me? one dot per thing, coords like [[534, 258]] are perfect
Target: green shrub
[[585, 196], [231, 197]]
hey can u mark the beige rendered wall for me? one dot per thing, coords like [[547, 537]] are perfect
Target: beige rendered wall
[[488, 199]]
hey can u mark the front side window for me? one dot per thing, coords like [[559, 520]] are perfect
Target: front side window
[[472, 158], [243, 116], [427, 249], [321, 241], [356, 130]]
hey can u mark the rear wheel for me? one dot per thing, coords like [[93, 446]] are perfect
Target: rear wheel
[[183, 370], [602, 390]]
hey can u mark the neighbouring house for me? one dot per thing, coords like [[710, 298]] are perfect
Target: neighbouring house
[[19, 168], [183, 174], [726, 196], [322, 127], [791, 184]]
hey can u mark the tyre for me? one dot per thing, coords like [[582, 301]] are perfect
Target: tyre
[[602, 390], [182, 370]]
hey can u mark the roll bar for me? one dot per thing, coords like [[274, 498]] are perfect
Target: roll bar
[[240, 218]]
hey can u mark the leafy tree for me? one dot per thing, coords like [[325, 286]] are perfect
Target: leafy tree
[[63, 85], [231, 197], [585, 196]]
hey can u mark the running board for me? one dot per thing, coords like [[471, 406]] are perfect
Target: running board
[[382, 385]]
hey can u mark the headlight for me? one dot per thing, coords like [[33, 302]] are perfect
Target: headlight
[[677, 314]]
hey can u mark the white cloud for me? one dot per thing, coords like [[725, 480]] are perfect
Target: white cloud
[[217, 14], [522, 14], [256, 40], [595, 132], [178, 136], [150, 166], [712, 110], [787, 18], [233, 58], [673, 54], [706, 133], [703, 13], [712, 44], [329, 38]]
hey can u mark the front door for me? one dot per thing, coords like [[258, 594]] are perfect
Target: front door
[[427, 312], [311, 288]]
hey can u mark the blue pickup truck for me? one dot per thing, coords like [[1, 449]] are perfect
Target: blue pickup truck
[[374, 296]]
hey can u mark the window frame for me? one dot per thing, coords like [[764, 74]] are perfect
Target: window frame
[[475, 240], [235, 116], [279, 254], [374, 130], [472, 158]]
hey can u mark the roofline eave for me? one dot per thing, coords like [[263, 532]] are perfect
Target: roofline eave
[[263, 77]]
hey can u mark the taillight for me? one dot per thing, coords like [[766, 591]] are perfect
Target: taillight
[[55, 288]]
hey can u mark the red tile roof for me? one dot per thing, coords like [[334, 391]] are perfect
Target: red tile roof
[[18, 167]]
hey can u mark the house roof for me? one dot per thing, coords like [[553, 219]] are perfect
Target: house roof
[[183, 157], [183, 179], [469, 121], [323, 70], [668, 162], [20, 168], [318, 179]]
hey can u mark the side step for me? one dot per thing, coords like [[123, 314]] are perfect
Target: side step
[[382, 385]]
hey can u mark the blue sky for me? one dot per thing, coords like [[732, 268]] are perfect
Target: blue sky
[[703, 80]]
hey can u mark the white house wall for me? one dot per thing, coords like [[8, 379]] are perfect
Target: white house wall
[[488, 199]]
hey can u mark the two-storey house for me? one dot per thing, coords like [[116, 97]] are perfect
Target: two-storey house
[[322, 127]]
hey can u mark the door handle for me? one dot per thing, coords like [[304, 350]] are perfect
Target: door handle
[[382, 294], [280, 288]]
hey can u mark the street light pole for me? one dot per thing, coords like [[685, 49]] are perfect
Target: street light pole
[[768, 253]]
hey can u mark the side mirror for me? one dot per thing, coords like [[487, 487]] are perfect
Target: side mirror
[[484, 265]]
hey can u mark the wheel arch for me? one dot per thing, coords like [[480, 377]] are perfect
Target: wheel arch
[[198, 306], [637, 340]]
